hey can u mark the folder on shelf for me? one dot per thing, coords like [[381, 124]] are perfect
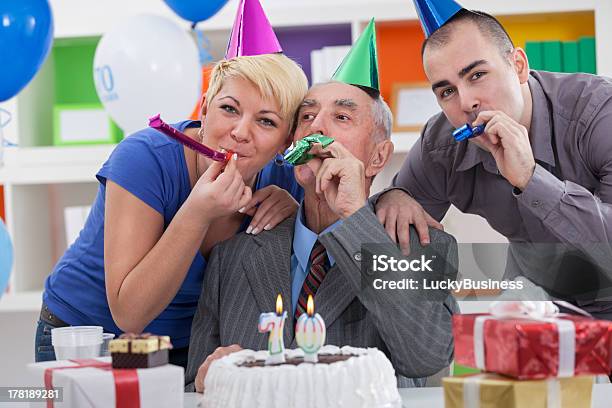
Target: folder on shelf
[[323, 62], [570, 56], [317, 66], [552, 56], [586, 50], [2, 203], [534, 54], [81, 124], [74, 221]]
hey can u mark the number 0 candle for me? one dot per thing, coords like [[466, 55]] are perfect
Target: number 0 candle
[[310, 332], [274, 323]]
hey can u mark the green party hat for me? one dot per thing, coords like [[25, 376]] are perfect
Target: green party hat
[[360, 66]]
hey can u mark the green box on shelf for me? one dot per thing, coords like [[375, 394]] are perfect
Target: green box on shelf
[[73, 60], [586, 50], [570, 57], [552, 54], [534, 54], [83, 124], [76, 100]]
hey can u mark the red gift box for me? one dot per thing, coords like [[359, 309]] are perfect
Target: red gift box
[[529, 348]]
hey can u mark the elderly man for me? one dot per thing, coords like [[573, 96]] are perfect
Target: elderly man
[[246, 273]]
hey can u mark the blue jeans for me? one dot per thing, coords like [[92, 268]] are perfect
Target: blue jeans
[[43, 349]]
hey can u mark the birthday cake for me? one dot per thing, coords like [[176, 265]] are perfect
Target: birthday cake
[[343, 377]]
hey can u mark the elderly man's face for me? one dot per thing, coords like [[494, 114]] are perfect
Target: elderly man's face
[[340, 111]]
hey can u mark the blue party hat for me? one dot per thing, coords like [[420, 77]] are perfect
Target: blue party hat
[[433, 14]]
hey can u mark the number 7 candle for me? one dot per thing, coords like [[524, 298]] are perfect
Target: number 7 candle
[[275, 324]]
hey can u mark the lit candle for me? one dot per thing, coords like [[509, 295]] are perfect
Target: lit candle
[[310, 332], [274, 323]]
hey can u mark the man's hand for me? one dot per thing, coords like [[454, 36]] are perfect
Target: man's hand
[[341, 179], [396, 211], [217, 354], [269, 206], [508, 142]]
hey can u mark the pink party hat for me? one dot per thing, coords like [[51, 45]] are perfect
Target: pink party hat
[[252, 33]]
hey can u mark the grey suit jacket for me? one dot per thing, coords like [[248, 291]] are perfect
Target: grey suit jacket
[[245, 274]]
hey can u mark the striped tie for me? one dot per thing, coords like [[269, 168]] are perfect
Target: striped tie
[[318, 269]]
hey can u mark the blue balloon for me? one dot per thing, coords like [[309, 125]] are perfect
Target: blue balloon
[[6, 257], [26, 33], [195, 10]]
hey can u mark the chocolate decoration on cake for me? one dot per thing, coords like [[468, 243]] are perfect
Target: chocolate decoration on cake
[[139, 350], [323, 359]]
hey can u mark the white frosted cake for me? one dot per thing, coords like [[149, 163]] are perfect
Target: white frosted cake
[[343, 377]]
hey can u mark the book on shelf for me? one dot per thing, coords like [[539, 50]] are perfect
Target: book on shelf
[[552, 56], [562, 56], [586, 49], [570, 56], [534, 54], [74, 221]]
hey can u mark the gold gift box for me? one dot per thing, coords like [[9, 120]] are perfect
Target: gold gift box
[[139, 346], [496, 391]]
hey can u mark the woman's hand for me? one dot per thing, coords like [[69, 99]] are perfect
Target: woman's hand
[[269, 206], [220, 192]]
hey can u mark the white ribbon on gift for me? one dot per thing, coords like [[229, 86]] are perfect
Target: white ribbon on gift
[[471, 392], [544, 311]]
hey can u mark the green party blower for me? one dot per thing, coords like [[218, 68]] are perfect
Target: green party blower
[[298, 154]]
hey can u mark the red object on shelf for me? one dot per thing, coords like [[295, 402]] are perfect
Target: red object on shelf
[[2, 203], [206, 71], [398, 42], [529, 349]]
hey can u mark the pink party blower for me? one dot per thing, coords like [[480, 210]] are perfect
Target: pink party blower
[[157, 123]]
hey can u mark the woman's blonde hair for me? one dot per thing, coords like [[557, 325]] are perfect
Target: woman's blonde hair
[[275, 76]]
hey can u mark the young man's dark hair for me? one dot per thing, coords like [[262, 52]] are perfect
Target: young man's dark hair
[[488, 25]]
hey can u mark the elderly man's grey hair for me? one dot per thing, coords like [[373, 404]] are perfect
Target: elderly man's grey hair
[[383, 118]]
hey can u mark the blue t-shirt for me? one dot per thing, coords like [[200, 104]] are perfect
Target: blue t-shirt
[[152, 167]]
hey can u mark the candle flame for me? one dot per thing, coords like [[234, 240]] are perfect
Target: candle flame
[[310, 306], [279, 304]]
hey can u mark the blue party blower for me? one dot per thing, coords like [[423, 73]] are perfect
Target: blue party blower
[[466, 132]]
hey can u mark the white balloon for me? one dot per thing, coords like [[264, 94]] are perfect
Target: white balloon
[[147, 65]]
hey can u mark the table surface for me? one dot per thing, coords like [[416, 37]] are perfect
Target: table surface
[[433, 397]]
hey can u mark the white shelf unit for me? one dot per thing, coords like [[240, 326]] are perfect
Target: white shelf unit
[[40, 180], [51, 164]]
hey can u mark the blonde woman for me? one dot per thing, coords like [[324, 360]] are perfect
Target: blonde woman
[[139, 262]]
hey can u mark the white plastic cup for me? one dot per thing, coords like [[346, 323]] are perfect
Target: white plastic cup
[[106, 338], [76, 342]]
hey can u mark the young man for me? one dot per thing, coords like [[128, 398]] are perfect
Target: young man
[[540, 174]]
